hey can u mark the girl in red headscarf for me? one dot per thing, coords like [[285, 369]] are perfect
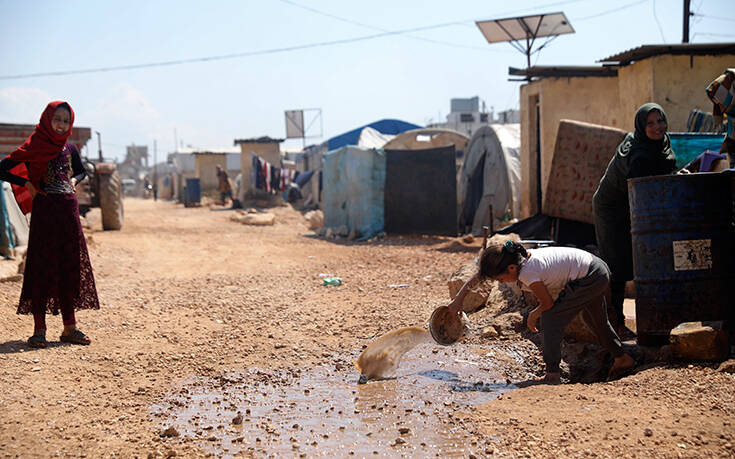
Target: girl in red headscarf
[[58, 275]]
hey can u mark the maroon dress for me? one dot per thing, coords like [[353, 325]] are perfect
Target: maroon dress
[[58, 275]]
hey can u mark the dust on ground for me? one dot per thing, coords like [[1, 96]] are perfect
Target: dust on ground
[[203, 318]]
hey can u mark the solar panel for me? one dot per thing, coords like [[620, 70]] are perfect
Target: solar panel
[[525, 27]]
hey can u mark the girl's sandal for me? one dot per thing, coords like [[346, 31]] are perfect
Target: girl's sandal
[[37, 342], [76, 337]]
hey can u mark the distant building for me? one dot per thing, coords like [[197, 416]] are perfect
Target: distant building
[[267, 148], [466, 116]]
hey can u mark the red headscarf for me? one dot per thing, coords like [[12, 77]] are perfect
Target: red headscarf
[[38, 149]]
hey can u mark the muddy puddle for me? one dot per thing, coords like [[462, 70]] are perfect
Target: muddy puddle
[[324, 412]]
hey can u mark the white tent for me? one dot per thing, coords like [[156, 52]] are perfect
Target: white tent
[[372, 138], [490, 176], [13, 223]]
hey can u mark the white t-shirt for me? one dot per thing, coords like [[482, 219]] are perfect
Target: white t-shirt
[[554, 266]]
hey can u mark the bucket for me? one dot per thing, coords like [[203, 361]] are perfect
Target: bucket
[[193, 192], [683, 235], [445, 327]]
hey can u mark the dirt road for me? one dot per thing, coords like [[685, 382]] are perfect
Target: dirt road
[[219, 338]]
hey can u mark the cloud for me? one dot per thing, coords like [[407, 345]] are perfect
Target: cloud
[[22, 105]]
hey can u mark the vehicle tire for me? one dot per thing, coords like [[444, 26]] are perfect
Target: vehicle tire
[[111, 201]]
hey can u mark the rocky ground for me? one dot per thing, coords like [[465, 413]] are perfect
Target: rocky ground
[[219, 338]]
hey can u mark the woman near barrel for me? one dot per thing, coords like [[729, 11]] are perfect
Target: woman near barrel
[[642, 153]]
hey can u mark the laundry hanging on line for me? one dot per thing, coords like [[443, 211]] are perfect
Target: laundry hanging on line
[[269, 178]]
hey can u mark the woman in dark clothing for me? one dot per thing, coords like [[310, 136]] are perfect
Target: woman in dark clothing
[[642, 153], [58, 275]]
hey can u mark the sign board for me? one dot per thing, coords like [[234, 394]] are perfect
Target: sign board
[[295, 124]]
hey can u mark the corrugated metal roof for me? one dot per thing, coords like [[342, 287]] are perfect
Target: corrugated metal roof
[[565, 71], [264, 139], [691, 49]]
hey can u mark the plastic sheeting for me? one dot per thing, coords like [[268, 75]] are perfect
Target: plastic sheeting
[[688, 145], [386, 126], [370, 138], [490, 175], [354, 189], [13, 224]]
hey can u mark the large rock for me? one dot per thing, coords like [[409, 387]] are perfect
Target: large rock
[[315, 219], [699, 341], [475, 297]]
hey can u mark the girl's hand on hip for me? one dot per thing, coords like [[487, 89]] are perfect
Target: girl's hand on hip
[[32, 189]]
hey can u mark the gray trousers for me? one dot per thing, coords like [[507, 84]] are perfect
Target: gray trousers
[[590, 295]]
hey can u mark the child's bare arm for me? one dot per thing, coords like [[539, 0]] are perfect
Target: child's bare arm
[[545, 303], [456, 304]]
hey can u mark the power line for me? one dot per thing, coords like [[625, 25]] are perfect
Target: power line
[[614, 10], [661, 30], [717, 18], [368, 26], [383, 33], [224, 56]]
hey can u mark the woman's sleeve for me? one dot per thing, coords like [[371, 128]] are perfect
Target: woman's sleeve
[[77, 168], [5, 166]]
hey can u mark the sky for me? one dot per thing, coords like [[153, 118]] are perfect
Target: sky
[[334, 55]]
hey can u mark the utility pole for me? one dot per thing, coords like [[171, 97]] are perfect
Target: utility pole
[[687, 13], [155, 170], [99, 145]]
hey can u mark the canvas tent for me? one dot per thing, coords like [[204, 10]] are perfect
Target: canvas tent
[[427, 138], [490, 176], [354, 181], [372, 138], [13, 224], [421, 191], [311, 158]]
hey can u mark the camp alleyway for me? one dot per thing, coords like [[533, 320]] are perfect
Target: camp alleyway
[[189, 296]]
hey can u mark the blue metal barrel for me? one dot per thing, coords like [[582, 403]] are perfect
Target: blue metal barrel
[[193, 194], [683, 231]]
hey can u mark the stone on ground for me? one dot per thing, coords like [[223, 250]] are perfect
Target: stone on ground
[[315, 219], [699, 341]]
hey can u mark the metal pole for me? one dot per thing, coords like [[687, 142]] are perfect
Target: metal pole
[[155, 170], [538, 157], [687, 13], [99, 145]]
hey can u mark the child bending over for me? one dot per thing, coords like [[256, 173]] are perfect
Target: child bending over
[[565, 281]]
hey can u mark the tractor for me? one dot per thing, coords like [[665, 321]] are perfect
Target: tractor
[[102, 188]]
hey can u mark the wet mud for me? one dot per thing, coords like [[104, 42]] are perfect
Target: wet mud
[[325, 412]]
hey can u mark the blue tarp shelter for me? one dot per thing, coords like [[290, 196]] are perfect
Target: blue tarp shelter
[[385, 126], [354, 189], [689, 145]]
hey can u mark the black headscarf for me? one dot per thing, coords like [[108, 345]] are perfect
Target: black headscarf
[[637, 142]]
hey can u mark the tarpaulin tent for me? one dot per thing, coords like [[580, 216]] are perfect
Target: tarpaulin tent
[[371, 138], [354, 181], [421, 191], [13, 224], [386, 126], [490, 175], [426, 138], [311, 159]]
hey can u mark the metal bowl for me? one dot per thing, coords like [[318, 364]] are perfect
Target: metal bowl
[[445, 327]]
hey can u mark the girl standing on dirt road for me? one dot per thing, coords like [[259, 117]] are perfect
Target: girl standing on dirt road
[[566, 281], [58, 275]]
